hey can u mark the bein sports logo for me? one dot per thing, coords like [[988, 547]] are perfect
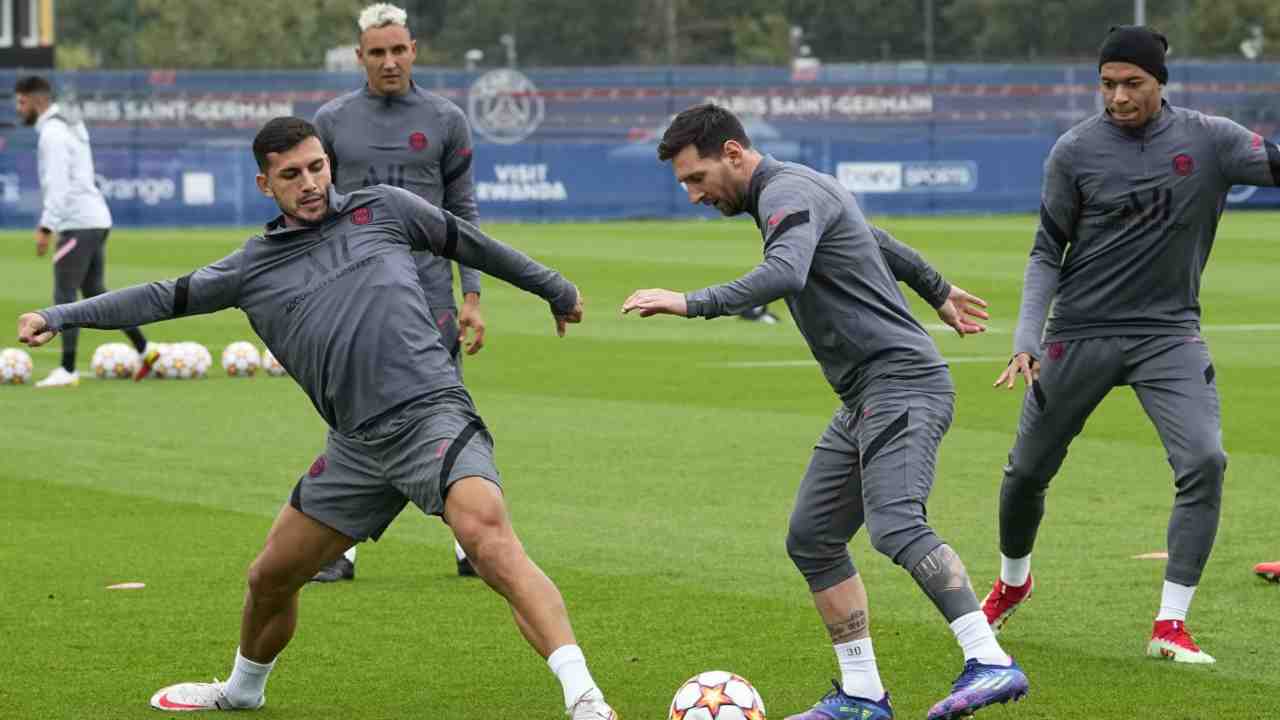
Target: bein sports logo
[[908, 177], [505, 106], [150, 190]]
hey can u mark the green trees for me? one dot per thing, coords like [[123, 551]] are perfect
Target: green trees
[[253, 34]]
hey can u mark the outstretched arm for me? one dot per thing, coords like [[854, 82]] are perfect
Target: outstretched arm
[[434, 230], [791, 238], [957, 308], [206, 290], [910, 267], [788, 255]]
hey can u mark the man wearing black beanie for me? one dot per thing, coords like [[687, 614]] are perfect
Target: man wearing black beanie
[[1130, 205]]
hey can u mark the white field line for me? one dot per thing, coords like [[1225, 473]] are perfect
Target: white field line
[[1209, 329], [811, 363]]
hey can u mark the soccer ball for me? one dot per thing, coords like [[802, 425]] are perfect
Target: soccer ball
[[270, 364], [115, 361], [241, 359], [15, 367], [179, 361], [198, 356], [716, 695], [161, 350]]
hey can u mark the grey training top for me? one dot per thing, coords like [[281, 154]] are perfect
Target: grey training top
[[1127, 222], [338, 303], [418, 141], [826, 261]]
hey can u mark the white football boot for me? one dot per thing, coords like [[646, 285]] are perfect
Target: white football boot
[[192, 696], [591, 706], [60, 378]]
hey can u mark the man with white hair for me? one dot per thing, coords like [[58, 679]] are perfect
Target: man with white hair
[[392, 131]]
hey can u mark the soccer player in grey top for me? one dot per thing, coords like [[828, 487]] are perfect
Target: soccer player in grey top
[[874, 465], [333, 291], [1131, 202], [392, 131]]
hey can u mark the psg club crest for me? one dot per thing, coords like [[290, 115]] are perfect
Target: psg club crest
[[362, 216], [1183, 164], [505, 106], [418, 141]]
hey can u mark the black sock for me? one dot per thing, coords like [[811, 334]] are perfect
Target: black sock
[[69, 360], [135, 336]]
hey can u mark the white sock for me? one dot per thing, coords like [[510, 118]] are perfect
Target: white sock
[[350, 554], [859, 675], [977, 641], [458, 552], [1015, 571], [570, 667], [248, 681], [1175, 601]]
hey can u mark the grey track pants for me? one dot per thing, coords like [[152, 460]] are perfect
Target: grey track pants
[[1173, 378]]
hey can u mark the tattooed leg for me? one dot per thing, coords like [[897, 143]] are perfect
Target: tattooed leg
[[843, 608], [943, 578]]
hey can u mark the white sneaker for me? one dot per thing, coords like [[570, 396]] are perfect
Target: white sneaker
[[190, 697], [60, 378], [591, 706]]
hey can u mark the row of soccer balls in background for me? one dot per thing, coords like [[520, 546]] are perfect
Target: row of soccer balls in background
[[176, 361]]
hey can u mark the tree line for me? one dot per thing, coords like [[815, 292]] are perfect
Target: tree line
[[245, 34]]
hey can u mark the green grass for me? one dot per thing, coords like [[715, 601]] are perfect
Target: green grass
[[649, 480]]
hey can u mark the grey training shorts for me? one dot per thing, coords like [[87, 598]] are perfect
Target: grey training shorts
[[362, 482]]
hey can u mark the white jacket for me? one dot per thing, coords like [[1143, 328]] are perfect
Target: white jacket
[[71, 197]]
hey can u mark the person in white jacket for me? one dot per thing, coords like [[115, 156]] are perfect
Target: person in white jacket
[[72, 208]]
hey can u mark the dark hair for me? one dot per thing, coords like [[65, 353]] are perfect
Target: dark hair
[[279, 135], [707, 127], [32, 85]]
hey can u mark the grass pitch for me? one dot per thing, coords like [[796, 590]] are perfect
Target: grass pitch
[[650, 467]]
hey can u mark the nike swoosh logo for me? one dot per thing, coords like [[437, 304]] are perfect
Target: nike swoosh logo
[[165, 702]]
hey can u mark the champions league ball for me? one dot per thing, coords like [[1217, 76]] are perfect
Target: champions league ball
[[15, 367], [241, 359], [179, 361], [199, 357], [115, 361], [270, 364], [716, 695]]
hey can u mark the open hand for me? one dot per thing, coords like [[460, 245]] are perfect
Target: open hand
[[961, 311], [656, 301], [1021, 364]]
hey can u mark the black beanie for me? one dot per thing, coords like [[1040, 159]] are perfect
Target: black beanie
[[1138, 45]]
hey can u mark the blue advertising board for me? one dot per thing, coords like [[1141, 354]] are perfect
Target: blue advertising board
[[173, 147]]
